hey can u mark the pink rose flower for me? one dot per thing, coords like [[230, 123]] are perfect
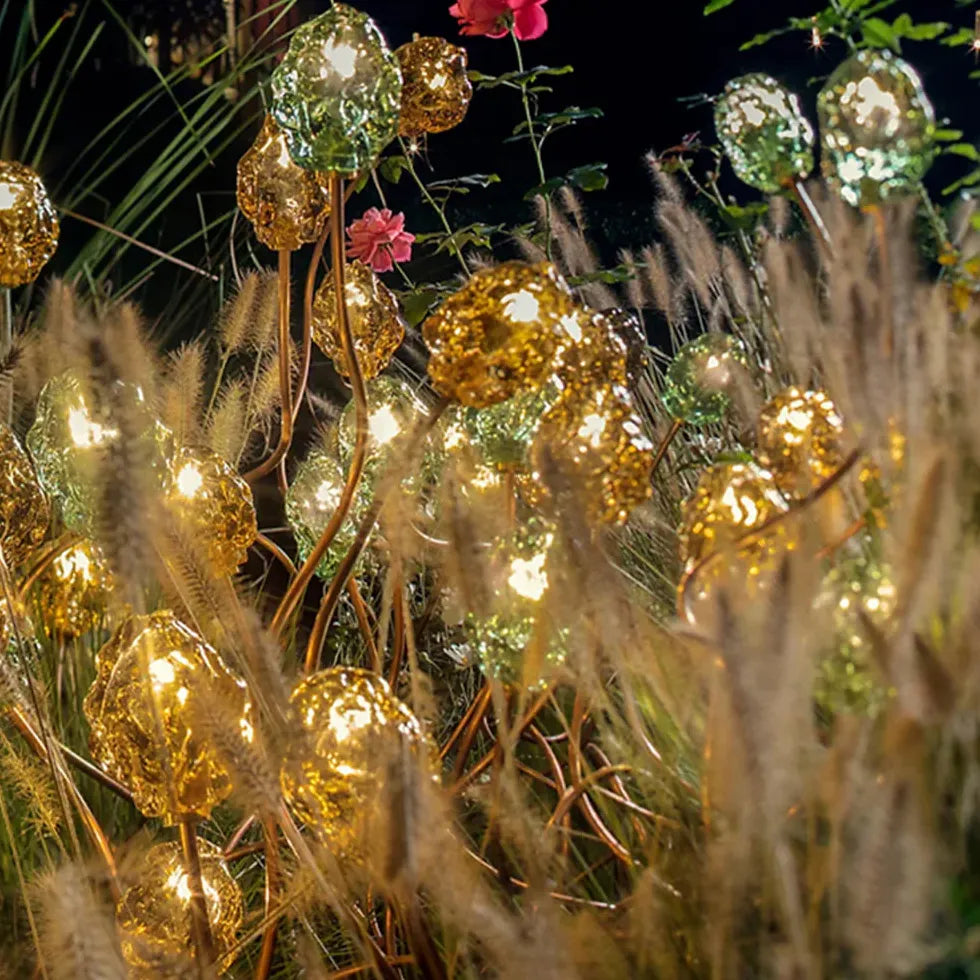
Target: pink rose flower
[[493, 17], [379, 239]]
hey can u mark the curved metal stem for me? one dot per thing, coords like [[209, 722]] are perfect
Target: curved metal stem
[[200, 924], [263, 541], [295, 592], [285, 379]]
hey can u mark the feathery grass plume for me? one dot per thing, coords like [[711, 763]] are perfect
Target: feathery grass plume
[[183, 391], [78, 929], [236, 320], [226, 428], [30, 781], [264, 316]]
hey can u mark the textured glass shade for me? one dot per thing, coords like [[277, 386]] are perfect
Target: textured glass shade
[[28, 225], [375, 321], [72, 594], [764, 132], [436, 90], [500, 333], [502, 433], [24, 512], [701, 379], [153, 678], [154, 915], [799, 439], [354, 728], [213, 506], [337, 93], [877, 128], [287, 204]]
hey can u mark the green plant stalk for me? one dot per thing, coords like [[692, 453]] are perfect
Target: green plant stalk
[[535, 142], [453, 247]]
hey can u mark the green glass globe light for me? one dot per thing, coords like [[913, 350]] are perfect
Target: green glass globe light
[[311, 501], [699, 383], [393, 410], [877, 128], [764, 133], [502, 433], [71, 436], [337, 93], [513, 635]]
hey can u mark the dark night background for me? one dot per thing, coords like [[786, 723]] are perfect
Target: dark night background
[[635, 59]]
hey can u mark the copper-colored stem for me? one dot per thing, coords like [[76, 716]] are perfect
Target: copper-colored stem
[[574, 792], [94, 772], [200, 925], [364, 624], [668, 438], [6, 345], [269, 545], [812, 217], [237, 836], [391, 481], [92, 826], [469, 736], [295, 592], [479, 704], [43, 563], [285, 379], [559, 777], [272, 875], [690, 577], [352, 971]]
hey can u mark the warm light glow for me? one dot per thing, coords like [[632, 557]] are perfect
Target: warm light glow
[[528, 577], [162, 673], [8, 196], [383, 425], [872, 101], [342, 59], [84, 432], [572, 327], [438, 81], [72, 563], [742, 509], [179, 884], [521, 307], [189, 480], [327, 495], [591, 429]]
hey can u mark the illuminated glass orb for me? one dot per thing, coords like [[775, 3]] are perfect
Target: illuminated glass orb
[[70, 437], [515, 634], [375, 321], [154, 916], [152, 677], [730, 500], [28, 225], [72, 594], [764, 132], [846, 679], [337, 92], [502, 433], [701, 379], [311, 501], [213, 504], [593, 442], [626, 325], [393, 410], [24, 511], [595, 355], [799, 435], [355, 730], [287, 204], [877, 128], [436, 90], [500, 333]]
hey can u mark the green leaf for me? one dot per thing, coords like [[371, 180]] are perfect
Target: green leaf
[[948, 135], [879, 34], [716, 5], [392, 168], [961, 38], [765, 38], [747, 217], [545, 189], [416, 305], [967, 150], [590, 177], [904, 27]]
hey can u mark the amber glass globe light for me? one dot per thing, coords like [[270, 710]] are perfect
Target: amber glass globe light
[[287, 204], [28, 225], [154, 915], [436, 90], [354, 728], [24, 512], [153, 679], [213, 506], [74, 590]]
